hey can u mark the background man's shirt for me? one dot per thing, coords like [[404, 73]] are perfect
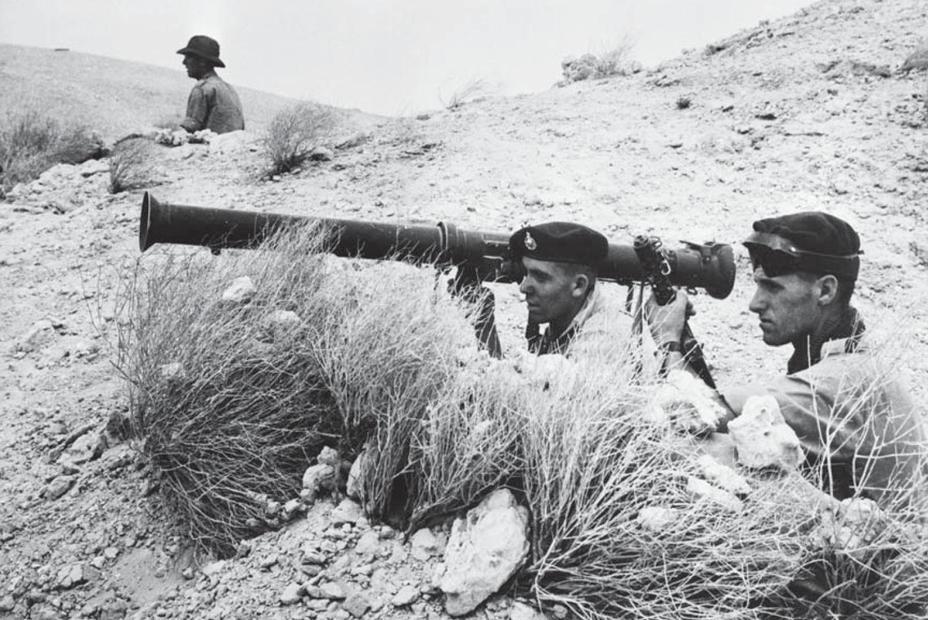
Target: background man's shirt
[[214, 105]]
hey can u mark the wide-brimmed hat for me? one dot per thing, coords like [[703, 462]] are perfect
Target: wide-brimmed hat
[[203, 47]]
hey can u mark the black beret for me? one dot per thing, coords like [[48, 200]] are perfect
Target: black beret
[[821, 243], [813, 231], [562, 242]]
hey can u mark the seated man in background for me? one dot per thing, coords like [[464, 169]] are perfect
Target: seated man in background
[[213, 104], [858, 427]]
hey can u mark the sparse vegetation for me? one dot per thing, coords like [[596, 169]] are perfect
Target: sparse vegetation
[[293, 134], [469, 91], [127, 165], [683, 102], [30, 143], [609, 63]]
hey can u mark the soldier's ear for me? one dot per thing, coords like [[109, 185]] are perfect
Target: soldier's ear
[[581, 285], [827, 289]]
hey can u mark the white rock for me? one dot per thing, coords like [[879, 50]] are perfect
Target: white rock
[[762, 437], [240, 291], [406, 595], [228, 142], [328, 456], [70, 576], [656, 518], [291, 508], [291, 594], [368, 543], [685, 402], [722, 476], [59, 486], [173, 370], [332, 590], [85, 448], [704, 490], [355, 486], [318, 478], [485, 549], [347, 511], [283, 324], [321, 153], [423, 544], [854, 526], [521, 611]]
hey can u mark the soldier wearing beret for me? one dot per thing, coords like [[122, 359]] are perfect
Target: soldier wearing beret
[[857, 430], [558, 261], [213, 104]]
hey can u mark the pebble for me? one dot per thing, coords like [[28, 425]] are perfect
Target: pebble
[[313, 557], [331, 590], [59, 486], [347, 511], [291, 594], [7, 603], [368, 543], [356, 604], [406, 595]]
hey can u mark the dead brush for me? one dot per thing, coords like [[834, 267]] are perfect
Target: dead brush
[[128, 168], [294, 132], [228, 414], [592, 463], [467, 444], [384, 359], [30, 143]]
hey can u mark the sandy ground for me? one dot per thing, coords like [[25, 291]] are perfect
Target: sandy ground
[[796, 114]]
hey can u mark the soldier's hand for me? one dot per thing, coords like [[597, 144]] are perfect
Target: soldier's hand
[[666, 322]]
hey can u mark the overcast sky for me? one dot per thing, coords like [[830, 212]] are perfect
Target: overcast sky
[[384, 56]]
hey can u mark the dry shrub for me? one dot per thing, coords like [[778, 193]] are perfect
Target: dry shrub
[[230, 412], [467, 444], [30, 143], [472, 90], [617, 60], [294, 132], [392, 348], [226, 413], [128, 165]]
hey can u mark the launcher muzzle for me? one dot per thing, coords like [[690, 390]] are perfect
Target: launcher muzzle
[[707, 266]]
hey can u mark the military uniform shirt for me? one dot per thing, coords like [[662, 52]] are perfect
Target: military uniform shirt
[[855, 421]]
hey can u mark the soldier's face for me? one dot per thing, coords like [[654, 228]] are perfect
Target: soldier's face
[[788, 306], [551, 292], [196, 66]]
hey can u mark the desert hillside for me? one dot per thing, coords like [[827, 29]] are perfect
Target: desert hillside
[[113, 97], [807, 112]]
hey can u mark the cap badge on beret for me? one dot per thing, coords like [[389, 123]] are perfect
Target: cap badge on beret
[[529, 242]]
